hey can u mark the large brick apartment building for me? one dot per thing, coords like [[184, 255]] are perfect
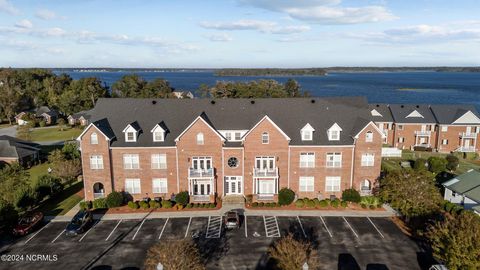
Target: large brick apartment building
[[155, 147], [315, 146]]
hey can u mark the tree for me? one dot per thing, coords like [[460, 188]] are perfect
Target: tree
[[130, 85], [437, 164], [12, 178], [351, 195], [412, 193], [174, 254], [292, 88], [286, 196], [420, 164], [158, 88], [182, 198], [64, 168], [11, 92], [452, 162], [455, 240], [114, 199], [8, 213], [290, 254]]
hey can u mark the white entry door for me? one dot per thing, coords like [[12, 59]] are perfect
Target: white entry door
[[233, 185]]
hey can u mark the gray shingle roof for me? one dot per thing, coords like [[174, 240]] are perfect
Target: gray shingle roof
[[447, 114], [382, 109], [112, 115], [15, 148], [401, 111], [467, 184], [85, 114]]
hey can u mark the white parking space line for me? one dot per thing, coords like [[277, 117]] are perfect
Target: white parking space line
[[214, 227], [35, 234], [60, 234], [356, 235], [138, 229], [325, 225], [163, 229], [271, 226], [373, 224], [108, 237], [246, 234], [188, 227], [85, 234], [301, 227]]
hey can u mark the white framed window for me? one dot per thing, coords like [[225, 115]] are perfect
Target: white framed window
[[368, 160], [96, 162], [334, 135], [131, 161], [158, 136], [444, 141], [265, 138], [159, 161], [200, 139], [238, 136], [132, 186], [228, 136], [130, 136], [306, 183], [307, 135], [159, 185], [400, 127], [332, 183], [401, 139], [334, 160], [307, 160], [369, 136], [94, 138]]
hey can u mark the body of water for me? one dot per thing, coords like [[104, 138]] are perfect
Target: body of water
[[388, 87]]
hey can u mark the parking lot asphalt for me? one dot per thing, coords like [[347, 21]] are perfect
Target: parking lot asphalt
[[342, 243]]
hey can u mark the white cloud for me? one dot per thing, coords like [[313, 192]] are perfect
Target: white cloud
[[24, 24], [257, 25], [219, 37], [324, 11], [46, 14], [7, 7]]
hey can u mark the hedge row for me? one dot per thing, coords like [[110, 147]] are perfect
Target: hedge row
[[316, 203], [264, 204]]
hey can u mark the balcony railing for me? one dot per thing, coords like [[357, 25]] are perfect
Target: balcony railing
[[469, 135], [423, 133], [97, 195], [365, 192], [200, 173], [265, 197], [201, 198], [466, 149], [265, 172]]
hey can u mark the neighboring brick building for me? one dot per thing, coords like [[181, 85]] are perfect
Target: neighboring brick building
[[156, 147], [442, 128]]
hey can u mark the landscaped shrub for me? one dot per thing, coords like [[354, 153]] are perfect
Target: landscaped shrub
[[261, 204], [166, 204], [351, 195], [47, 185], [316, 201], [323, 203], [42, 123], [335, 203], [448, 206], [299, 203], [452, 162], [286, 196], [133, 205], [310, 204], [114, 199], [100, 203], [437, 164], [144, 204], [420, 164], [249, 198], [372, 206], [196, 205], [364, 206], [371, 200], [182, 198], [255, 204], [179, 206], [344, 204], [212, 205], [85, 205], [154, 204], [189, 205]]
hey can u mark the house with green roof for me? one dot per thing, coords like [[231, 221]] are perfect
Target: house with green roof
[[464, 190]]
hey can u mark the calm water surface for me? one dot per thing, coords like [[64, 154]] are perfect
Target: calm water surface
[[394, 87]]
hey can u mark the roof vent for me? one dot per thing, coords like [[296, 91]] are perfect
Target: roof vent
[[213, 101], [401, 106], [252, 101], [312, 101], [154, 102], [378, 105], [417, 106]]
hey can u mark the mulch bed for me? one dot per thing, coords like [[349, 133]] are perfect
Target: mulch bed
[[351, 206], [127, 210]]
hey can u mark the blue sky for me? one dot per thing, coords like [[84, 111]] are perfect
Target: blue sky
[[239, 33]]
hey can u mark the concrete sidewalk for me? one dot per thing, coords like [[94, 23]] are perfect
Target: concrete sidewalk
[[249, 212]]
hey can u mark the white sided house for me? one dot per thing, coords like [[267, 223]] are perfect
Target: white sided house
[[464, 190]]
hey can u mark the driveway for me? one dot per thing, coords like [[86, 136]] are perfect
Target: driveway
[[9, 131]]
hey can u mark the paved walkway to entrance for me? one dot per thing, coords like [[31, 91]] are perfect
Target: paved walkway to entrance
[[249, 212]]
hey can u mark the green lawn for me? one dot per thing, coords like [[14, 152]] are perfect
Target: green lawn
[[55, 134], [394, 163], [62, 203], [38, 170]]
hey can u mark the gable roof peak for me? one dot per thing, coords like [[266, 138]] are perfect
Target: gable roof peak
[[414, 113]]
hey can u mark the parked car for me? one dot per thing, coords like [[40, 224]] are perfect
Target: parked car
[[232, 220], [28, 223], [80, 223]]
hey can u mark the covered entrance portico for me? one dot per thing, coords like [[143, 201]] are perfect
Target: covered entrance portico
[[233, 185]]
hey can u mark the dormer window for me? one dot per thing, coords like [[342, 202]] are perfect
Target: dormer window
[[307, 132], [369, 136], [131, 133], [158, 133], [334, 132], [94, 138], [265, 138], [200, 139]]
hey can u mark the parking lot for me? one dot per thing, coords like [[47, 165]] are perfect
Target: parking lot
[[342, 242]]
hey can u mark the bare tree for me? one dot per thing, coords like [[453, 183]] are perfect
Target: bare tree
[[291, 254], [174, 254]]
